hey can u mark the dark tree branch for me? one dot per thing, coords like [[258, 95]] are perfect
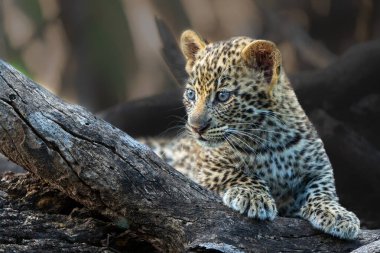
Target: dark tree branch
[[171, 52], [278, 28], [104, 169], [165, 110]]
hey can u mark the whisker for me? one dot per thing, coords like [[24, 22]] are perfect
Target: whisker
[[253, 136], [230, 142], [250, 148]]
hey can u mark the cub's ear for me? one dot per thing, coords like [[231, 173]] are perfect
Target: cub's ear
[[263, 55], [191, 43]]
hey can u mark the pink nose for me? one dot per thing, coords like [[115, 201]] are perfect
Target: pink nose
[[200, 129]]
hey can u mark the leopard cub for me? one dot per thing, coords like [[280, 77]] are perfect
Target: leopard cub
[[249, 140]]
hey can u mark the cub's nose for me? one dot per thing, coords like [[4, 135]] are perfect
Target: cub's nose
[[201, 128]]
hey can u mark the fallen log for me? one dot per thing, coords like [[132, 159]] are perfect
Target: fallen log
[[106, 170]]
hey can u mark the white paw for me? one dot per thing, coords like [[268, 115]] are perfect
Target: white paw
[[335, 220], [346, 227], [256, 204]]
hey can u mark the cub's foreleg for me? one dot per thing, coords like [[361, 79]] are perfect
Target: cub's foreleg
[[320, 206]]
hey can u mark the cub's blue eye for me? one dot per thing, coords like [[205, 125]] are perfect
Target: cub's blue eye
[[190, 94], [223, 96]]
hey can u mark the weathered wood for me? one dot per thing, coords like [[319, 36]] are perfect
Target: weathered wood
[[6, 165], [106, 170], [34, 218]]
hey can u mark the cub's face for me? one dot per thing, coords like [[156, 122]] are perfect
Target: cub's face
[[228, 87]]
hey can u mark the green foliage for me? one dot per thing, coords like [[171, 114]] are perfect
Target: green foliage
[[18, 64]]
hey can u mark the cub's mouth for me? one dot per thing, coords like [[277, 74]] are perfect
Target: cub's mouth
[[206, 141], [210, 137]]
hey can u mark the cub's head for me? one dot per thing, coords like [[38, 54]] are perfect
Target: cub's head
[[230, 83]]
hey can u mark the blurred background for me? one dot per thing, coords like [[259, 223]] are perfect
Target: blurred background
[[99, 53], [102, 53]]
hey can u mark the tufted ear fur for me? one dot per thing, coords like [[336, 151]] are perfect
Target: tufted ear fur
[[263, 55], [191, 43]]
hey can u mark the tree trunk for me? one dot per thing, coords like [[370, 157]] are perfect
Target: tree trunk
[[106, 170]]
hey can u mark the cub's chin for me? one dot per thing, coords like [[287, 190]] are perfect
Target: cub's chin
[[209, 143]]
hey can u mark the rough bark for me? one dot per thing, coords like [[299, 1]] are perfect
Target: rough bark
[[35, 217], [6, 165], [104, 169]]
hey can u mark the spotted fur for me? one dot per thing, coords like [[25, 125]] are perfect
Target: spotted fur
[[257, 149]]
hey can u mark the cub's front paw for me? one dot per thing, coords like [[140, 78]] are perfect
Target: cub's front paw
[[255, 203], [347, 226], [335, 220]]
